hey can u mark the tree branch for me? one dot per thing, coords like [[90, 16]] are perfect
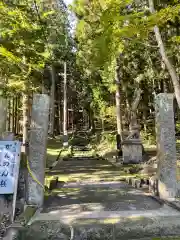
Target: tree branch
[[165, 58]]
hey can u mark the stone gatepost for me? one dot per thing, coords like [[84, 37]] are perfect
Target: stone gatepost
[[37, 149], [166, 146]]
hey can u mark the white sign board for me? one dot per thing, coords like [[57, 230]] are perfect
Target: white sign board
[[9, 166]]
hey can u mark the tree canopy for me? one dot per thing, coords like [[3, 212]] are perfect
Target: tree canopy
[[115, 47], [33, 35], [120, 34]]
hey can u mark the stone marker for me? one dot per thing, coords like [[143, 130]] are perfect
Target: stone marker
[[166, 146], [37, 149]]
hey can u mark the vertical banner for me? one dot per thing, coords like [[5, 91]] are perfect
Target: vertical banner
[[9, 166]]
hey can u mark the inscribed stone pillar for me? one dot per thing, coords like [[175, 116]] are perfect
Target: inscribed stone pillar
[[37, 149], [166, 146]]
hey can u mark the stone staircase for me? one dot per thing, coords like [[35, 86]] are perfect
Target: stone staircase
[[98, 207], [118, 212]]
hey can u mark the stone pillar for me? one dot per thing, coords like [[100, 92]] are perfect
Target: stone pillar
[[166, 146], [37, 149]]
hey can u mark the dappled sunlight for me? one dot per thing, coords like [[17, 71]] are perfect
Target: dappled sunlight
[[82, 171], [52, 151], [103, 197], [94, 193], [104, 217], [110, 221], [135, 192]]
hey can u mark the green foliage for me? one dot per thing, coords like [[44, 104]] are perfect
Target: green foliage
[[32, 37], [109, 137], [104, 27], [110, 30]]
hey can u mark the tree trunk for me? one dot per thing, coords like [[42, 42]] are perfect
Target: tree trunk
[[91, 120], [102, 124], [165, 58], [118, 103], [9, 115], [52, 109], [65, 142], [59, 110], [25, 117], [134, 127], [137, 98], [3, 118], [16, 115], [144, 121], [43, 87], [56, 106], [13, 115], [73, 120]]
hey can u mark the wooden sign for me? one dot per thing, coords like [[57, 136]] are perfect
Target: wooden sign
[[9, 166]]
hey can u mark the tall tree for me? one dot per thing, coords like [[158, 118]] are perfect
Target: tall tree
[[171, 69], [106, 30]]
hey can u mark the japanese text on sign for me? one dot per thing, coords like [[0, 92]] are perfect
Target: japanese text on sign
[[9, 165]]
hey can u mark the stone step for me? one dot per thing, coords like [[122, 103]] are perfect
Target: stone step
[[109, 224], [94, 184], [108, 196], [75, 215], [81, 158], [82, 148]]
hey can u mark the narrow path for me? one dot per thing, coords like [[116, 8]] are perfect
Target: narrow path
[[95, 185], [97, 205]]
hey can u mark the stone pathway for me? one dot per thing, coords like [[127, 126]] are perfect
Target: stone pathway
[[96, 207]]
